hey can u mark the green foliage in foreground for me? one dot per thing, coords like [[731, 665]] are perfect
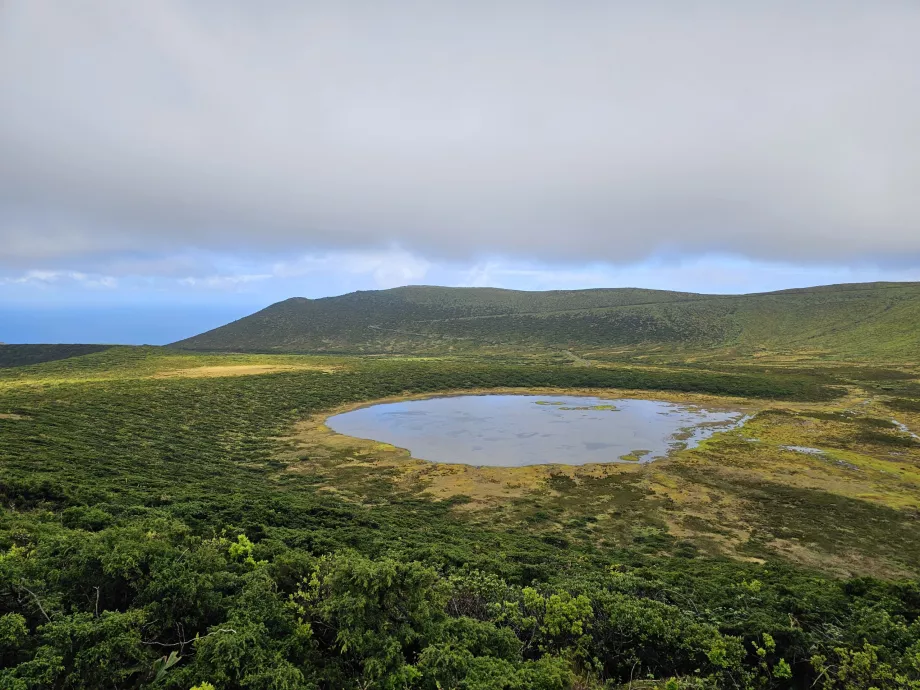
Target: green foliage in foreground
[[150, 538], [150, 604]]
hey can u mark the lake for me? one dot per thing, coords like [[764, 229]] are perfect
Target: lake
[[517, 430]]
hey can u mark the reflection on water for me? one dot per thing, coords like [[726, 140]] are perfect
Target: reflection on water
[[515, 430]]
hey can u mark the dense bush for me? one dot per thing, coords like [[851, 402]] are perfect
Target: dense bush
[[154, 605]]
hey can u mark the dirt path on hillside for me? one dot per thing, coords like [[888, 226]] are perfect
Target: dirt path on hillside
[[576, 360]]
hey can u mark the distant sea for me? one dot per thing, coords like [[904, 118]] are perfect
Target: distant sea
[[122, 325]]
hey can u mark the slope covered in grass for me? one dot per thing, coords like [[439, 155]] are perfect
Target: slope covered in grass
[[877, 320], [24, 355]]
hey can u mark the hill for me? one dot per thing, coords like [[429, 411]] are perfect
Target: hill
[[24, 355], [869, 320]]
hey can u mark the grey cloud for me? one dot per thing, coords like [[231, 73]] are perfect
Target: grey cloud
[[602, 131]]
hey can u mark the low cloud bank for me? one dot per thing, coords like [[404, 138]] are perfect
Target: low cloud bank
[[605, 132]]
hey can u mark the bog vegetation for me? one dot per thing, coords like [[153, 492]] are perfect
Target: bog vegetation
[[172, 531]]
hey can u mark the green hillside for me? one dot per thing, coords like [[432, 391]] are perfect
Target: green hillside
[[871, 320], [24, 355]]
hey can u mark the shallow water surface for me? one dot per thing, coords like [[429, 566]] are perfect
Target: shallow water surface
[[516, 430]]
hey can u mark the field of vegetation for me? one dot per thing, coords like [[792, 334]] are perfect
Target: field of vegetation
[[866, 322], [21, 355], [173, 519]]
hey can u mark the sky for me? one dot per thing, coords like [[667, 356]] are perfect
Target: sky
[[166, 167]]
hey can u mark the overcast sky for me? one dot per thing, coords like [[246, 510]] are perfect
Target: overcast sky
[[228, 154]]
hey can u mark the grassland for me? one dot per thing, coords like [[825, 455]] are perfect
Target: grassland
[[22, 355], [863, 322], [150, 496]]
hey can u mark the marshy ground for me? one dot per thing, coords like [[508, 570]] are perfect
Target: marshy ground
[[850, 507]]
